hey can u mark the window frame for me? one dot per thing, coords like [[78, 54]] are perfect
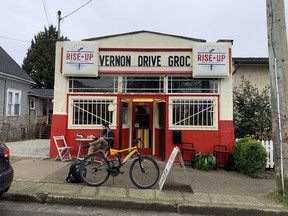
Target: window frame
[[11, 104], [215, 117], [215, 89], [86, 99]]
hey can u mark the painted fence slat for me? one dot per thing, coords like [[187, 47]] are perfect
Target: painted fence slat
[[268, 145]]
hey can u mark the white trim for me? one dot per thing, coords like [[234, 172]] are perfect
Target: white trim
[[83, 98], [186, 127], [13, 102]]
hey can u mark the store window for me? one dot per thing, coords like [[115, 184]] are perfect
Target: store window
[[91, 111], [105, 84], [139, 84], [193, 112], [13, 102], [192, 85]]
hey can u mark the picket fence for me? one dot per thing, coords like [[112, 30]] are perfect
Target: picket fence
[[268, 145]]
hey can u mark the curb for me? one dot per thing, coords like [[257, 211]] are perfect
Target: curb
[[172, 207]]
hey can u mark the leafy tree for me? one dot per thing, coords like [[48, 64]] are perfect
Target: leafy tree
[[252, 111], [40, 60]]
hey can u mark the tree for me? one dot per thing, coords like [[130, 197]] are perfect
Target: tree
[[40, 60], [252, 110]]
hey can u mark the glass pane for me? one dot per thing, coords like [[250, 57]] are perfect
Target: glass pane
[[143, 84], [191, 85], [10, 97], [97, 84], [142, 116]]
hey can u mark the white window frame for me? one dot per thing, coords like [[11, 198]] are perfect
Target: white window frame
[[12, 102], [215, 118], [92, 99]]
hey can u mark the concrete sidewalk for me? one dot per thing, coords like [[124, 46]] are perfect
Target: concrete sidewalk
[[216, 192]]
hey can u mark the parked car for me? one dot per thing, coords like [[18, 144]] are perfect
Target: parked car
[[6, 170]]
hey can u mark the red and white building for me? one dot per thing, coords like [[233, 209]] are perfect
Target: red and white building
[[144, 84]]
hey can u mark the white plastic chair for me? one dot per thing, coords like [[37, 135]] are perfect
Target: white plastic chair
[[62, 148]]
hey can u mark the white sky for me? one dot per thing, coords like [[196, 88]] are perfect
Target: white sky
[[243, 21]]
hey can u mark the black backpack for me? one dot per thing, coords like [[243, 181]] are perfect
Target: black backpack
[[74, 172]]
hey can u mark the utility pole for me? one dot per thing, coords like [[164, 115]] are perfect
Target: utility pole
[[59, 20], [278, 66]]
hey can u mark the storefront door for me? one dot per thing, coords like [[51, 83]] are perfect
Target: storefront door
[[143, 125]]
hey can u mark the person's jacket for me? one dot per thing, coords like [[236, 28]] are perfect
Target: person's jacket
[[108, 135]]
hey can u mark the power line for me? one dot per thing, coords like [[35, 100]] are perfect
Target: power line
[[9, 38], [46, 12], [77, 9]]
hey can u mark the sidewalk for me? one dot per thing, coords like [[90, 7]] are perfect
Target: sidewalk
[[219, 192]]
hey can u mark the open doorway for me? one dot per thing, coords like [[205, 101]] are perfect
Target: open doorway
[[142, 125]]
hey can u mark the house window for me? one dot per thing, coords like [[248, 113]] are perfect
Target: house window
[[13, 102], [32, 104], [193, 113], [91, 111]]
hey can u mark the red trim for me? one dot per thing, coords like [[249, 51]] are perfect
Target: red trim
[[147, 49], [144, 72], [61, 60]]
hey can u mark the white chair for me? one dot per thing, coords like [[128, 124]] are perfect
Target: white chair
[[62, 148]]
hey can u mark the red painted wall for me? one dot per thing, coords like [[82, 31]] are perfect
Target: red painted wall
[[59, 127], [125, 138]]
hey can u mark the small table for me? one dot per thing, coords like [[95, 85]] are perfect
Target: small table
[[80, 141]]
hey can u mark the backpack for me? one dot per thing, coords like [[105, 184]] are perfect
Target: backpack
[[74, 175]]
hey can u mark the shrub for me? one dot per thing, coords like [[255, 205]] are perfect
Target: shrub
[[204, 161], [250, 156]]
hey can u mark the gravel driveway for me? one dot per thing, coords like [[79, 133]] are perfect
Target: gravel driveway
[[30, 148]]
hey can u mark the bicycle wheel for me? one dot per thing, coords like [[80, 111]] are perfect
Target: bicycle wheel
[[94, 169], [144, 172]]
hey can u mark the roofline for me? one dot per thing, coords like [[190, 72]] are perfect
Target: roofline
[[251, 60], [143, 31], [15, 78]]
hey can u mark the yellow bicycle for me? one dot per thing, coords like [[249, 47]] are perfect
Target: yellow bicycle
[[96, 168]]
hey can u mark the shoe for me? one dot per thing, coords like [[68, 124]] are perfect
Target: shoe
[[86, 146]]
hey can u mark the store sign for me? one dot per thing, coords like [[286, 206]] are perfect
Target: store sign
[[176, 151], [145, 60], [211, 60], [80, 59]]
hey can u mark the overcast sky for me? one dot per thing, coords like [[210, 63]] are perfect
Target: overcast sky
[[243, 21]]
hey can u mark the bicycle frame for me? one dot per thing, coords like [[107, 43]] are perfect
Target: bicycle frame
[[132, 150], [105, 167]]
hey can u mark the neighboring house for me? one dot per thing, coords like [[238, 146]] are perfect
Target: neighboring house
[[256, 70], [41, 107], [20, 106]]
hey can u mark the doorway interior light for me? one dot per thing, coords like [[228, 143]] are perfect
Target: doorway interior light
[[143, 100]]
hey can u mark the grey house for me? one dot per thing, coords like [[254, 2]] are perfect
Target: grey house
[[22, 109]]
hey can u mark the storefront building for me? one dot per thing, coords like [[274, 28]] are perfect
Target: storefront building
[[144, 84]]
